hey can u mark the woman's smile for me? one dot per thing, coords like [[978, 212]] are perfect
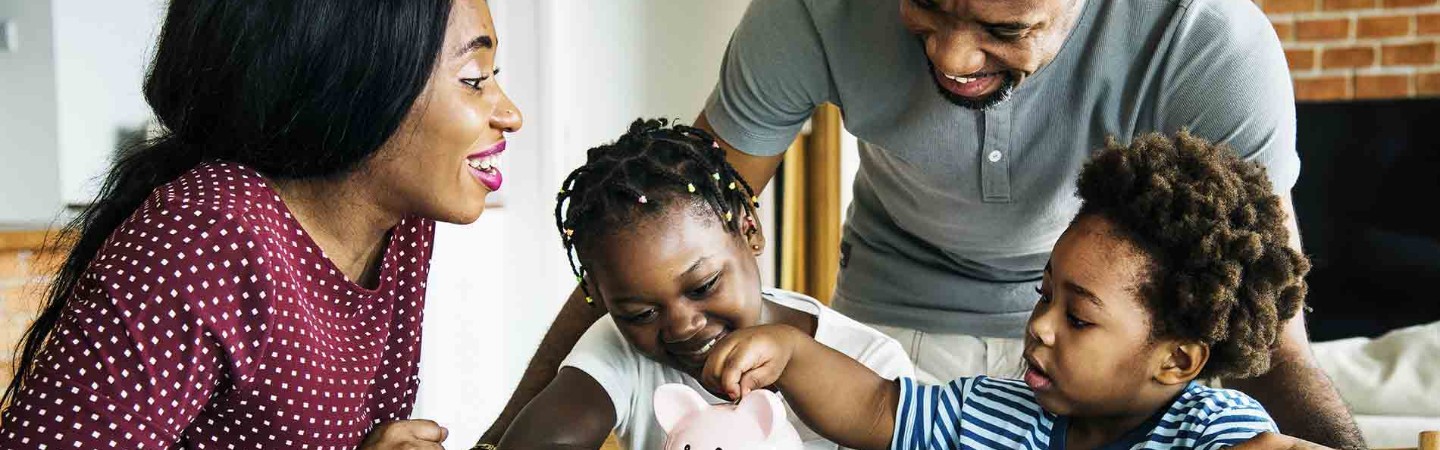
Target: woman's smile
[[485, 166]]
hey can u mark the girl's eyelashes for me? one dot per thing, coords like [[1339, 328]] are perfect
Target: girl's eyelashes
[[642, 317], [705, 289]]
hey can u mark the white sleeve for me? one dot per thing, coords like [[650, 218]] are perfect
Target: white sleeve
[[888, 359], [881, 353], [604, 354]]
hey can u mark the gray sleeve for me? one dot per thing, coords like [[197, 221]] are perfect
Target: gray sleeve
[[1227, 81], [773, 76]]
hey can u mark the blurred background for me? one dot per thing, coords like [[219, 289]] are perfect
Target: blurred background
[[1366, 72]]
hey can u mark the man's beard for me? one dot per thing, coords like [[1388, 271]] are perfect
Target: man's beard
[[1007, 87]]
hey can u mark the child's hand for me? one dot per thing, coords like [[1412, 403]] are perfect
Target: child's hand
[[749, 359], [405, 434], [1276, 441]]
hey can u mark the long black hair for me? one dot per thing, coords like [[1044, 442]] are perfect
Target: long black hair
[[652, 168], [290, 88]]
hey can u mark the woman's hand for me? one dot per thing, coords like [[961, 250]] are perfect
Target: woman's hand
[[405, 435], [749, 359]]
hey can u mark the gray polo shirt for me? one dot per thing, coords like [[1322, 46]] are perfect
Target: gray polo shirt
[[955, 211]]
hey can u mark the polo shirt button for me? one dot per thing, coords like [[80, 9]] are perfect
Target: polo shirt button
[[995, 156]]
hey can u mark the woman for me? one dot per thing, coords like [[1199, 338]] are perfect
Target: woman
[[255, 277]]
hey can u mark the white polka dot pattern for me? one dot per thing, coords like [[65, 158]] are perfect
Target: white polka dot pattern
[[211, 320]]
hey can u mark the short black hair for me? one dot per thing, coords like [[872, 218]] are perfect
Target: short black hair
[[656, 167], [1220, 268]]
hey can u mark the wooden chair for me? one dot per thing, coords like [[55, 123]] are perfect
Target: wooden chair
[[1429, 440], [611, 443]]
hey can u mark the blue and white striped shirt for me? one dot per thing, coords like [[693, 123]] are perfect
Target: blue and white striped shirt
[[990, 413]]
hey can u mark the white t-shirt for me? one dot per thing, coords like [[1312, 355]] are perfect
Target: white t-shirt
[[630, 378]]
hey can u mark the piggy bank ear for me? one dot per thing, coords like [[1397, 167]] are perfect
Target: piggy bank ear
[[675, 401], [767, 409]]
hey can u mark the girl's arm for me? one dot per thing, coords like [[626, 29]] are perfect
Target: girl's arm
[[573, 411], [837, 396]]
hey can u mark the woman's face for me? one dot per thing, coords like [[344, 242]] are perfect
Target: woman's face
[[444, 158], [676, 284]]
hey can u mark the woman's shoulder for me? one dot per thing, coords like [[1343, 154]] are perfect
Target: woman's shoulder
[[209, 196], [216, 185], [213, 201], [189, 235]]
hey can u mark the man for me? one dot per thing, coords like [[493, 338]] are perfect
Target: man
[[974, 117]]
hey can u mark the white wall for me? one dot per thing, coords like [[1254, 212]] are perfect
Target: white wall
[[73, 84], [29, 190], [580, 71], [102, 49]]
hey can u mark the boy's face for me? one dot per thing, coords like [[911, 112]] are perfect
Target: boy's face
[[1088, 342], [676, 284]]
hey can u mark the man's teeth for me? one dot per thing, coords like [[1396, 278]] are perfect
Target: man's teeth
[[484, 163], [961, 80]]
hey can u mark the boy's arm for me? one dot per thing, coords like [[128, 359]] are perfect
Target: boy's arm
[[1276, 441], [837, 396], [574, 411]]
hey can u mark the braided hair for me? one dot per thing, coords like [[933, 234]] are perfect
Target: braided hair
[[657, 165]]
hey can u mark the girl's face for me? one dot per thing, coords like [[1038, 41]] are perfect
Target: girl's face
[[1088, 343], [678, 283], [443, 160]]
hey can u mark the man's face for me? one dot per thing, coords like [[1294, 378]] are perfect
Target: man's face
[[980, 50]]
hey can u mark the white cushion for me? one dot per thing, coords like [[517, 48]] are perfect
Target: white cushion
[[1397, 374]]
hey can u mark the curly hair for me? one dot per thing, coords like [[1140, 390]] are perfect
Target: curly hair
[[654, 168], [1220, 270]]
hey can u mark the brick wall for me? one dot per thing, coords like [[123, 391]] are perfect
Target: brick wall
[[23, 279], [1359, 49]]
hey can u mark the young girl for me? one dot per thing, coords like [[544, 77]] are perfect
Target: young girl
[[1175, 268], [665, 236]]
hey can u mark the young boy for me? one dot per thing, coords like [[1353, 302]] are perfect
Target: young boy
[[1175, 268]]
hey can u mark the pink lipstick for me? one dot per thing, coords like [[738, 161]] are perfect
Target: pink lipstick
[[485, 166]]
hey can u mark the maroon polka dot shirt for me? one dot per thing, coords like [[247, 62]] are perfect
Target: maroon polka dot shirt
[[211, 320]]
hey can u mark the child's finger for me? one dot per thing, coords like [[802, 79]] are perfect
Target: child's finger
[[737, 364], [713, 373], [757, 378]]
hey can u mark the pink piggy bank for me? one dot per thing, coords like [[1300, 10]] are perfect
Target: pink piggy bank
[[757, 423]]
